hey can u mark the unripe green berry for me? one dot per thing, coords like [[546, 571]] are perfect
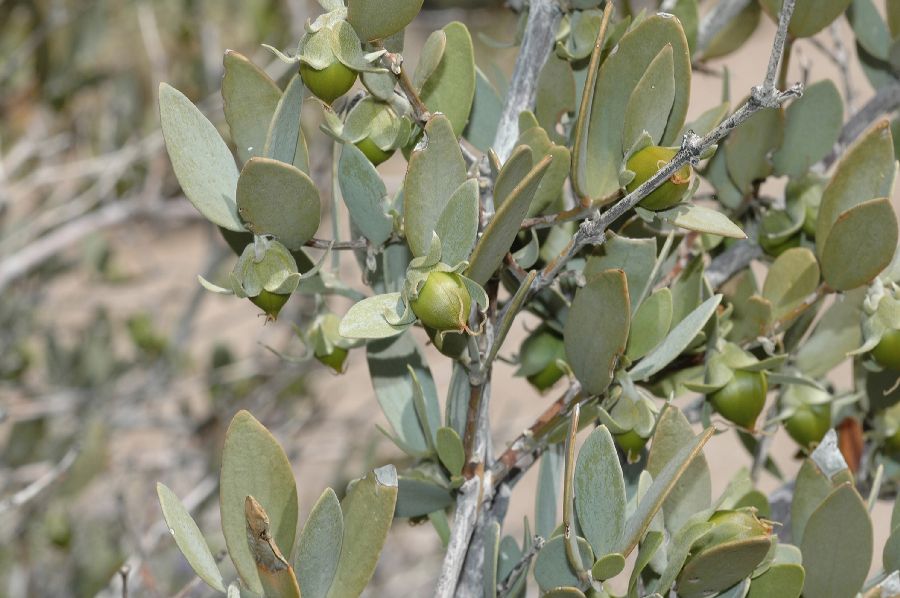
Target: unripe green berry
[[742, 399], [270, 303], [335, 360], [630, 441], [887, 351], [538, 355], [329, 83], [375, 154], [443, 303], [809, 423], [731, 526], [645, 163]]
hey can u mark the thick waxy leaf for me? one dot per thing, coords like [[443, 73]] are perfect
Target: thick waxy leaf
[[890, 555], [811, 489], [546, 500], [693, 491], [491, 556], [651, 101], [378, 19], [451, 87], [501, 231], [514, 170], [837, 546], [552, 184], [650, 324], [369, 317], [595, 341], [429, 58], [319, 547], [418, 497], [250, 98], [658, 492], [555, 92], [813, 126], [677, 340], [365, 195], [600, 492], [202, 162], [389, 361], [780, 581], [485, 115], [860, 245], [720, 567], [368, 511], [253, 463], [597, 170], [436, 170], [450, 450], [634, 256], [865, 172], [703, 220], [810, 16], [285, 141], [278, 199], [189, 538], [552, 568], [747, 149], [837, 333], [792, 278], [733, 35]]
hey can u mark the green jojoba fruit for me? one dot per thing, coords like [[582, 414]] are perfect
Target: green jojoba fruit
[[809, 423], [776, 248], [538, 355], [732, 526], [450, 344], [370, 149], [270, 303], [443, 302], [742, 399], [630, 441], [887, 351], [647, 162], [335, 360], [329, 83]]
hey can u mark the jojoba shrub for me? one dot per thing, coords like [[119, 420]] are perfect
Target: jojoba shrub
[[581, 194]]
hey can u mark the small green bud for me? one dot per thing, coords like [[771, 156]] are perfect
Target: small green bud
[[538, 355], [443, 303], [270, 303], [887, 351], [731, 526], [645, 163], [631, 442], [335, 359]]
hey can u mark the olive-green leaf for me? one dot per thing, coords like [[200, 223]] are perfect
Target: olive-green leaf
[[836, 334], [792, 278], [368, 511], [810, 16], [285, 141], [450, 450], [860, 245], [418, 497], [436, 169], [552, 568], [485, 115], [514, 170], [837, 546], [250, 98], [319, 546], [812, 128], [555, 94], [693, 491], [651, 101], [365, 195], [733, 35], [451, 87], [547, 496], [650, 324], [635, 257], [865, 172], [678, 339], [458, 225], [552, 184], [201, 160], [703, 220], [430, 57], [720, 567], [748, 148], [600, 492], [278, 199], [596, 329], [501, 231], [491, 557], [253, 463], [779, 581], [388, 362], [598, 174], [658, 492], [366, 319], [189, 538], [890, 555], [378, 19]]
